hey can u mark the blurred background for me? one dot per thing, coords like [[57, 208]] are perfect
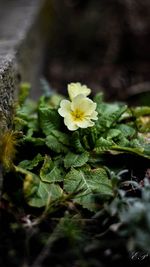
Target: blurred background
[[101, 43]]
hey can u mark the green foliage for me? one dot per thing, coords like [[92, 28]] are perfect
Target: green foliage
[[24, 92], [30, 164], [49, 119], [109, 114], [118, 136], [84, 188], [75, 160], [50, 172], [40, 191], [76, 142], [88, 184], [45, 194], [58, 141], [134, 213], [141, 111]]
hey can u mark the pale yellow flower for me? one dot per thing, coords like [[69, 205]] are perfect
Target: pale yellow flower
[[78, 113], [75, 89]]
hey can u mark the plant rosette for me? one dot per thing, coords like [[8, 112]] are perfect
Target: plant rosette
[[61, 153]]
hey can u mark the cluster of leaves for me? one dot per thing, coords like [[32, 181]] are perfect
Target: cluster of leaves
[[82, 170], [70, 163]]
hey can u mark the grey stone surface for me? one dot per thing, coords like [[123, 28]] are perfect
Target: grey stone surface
[[22, 41], [16, 20]]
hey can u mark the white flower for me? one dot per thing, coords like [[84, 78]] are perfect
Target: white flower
[[78, 113], [75, 89]]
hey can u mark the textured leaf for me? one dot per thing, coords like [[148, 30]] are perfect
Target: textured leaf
[[103, 145], [32, 127], [76, 142], [61, 137], [98, 98], [55, 145], [88, 184], [30, 182], [117, 137], [20, 123], [50, 172], [141, 111], [36, 141], [147, 149], [113, 133], [133, 147], [49, 119], [30, 164], [55, 99], [45, 195], [30, 185], [143, 124], [141, 151], [75, 160], [109, 114], [24, 92], [126, 130], [26, 111], [38, 193]]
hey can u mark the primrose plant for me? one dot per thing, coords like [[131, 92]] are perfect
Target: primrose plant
[[80, 111]]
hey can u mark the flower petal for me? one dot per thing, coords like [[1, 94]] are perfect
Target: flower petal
[[85, 123], [86, 105], [69, 122], [94, 115], [75, 89], [65, 108]]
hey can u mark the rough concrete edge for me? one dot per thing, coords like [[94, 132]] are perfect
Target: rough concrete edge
[[9, 63], [9, 69]]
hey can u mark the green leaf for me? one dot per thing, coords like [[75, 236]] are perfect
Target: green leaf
[[123, 145], [24, 92], [32, 127], [58, 141], [55, 100], [140, 151], [113, 133], [76, 142], [117, 137], [109, 115], [75, 160], [103, 145], [141, 111], [50, 172], [126, 130], [61, 137], [88, 184], [36, 141], [20, 123], [30, 184], [143, 124], [49, 119], [38, 193], [26, 111], [98, 98], [45, 195], [147, 149], [30, 164]]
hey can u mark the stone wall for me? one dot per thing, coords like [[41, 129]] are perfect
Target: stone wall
[[23, 37]]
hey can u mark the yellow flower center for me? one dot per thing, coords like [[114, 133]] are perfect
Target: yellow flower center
[[78, 115]]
